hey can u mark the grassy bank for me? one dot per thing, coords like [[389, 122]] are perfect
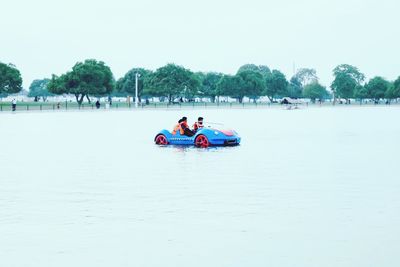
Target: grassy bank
[[30, 106]]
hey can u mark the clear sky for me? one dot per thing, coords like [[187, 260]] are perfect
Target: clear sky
[[42, 37]]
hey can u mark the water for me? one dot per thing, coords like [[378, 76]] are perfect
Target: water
[[310, 187]]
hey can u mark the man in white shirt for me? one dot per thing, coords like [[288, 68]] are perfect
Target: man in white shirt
[[14, 104]]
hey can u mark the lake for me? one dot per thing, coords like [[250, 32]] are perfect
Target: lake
[[308, 187]]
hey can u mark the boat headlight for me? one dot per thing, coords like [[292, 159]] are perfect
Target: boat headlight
[[216, 132]]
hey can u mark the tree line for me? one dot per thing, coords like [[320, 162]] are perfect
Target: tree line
[[172, 82]]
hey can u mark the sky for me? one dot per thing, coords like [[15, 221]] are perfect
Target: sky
[[45, 37]]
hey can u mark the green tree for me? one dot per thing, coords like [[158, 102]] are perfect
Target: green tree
[[297, 83], [390, 92], [38, 88], [396, 85], [208, 87], [315, 91], [90, 78], [262, 69], [127, 84], [306, 76], [361, 93], [253, 84], [149, 90], [10, 79], [393, 92], [295, 88], [224, 85], [377, 87], [232, 86], [172, 81], [276, 85], [347, 78]]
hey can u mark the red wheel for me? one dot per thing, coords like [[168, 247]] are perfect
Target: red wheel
[[201, 141], [161, 140]]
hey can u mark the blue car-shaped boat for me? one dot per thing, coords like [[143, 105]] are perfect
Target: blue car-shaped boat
[[204, 137]]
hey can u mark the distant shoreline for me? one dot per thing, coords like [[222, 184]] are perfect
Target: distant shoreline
[[72, 106]]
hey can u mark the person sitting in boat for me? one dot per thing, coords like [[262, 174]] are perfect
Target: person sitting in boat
[[198, 124], [179, 128], [186, 128], [183, 128]]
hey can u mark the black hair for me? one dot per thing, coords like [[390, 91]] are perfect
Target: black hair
[[184, 119], [200, 119]]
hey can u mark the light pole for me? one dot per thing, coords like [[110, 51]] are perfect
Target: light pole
[[137, 89]]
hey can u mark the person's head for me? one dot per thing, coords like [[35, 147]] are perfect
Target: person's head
[[180, 121], [184, 119], [200, 120]]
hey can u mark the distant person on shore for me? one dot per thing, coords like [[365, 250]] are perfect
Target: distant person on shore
[[198, 124], [14, 104], [97, 104]]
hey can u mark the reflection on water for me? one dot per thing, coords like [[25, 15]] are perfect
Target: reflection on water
[[192, 148], [310, 187]]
